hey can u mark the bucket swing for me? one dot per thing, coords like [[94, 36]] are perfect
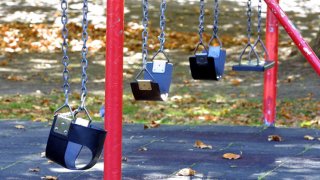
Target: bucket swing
[[70, 134], [208, 64], [156, 74], [256, 64]]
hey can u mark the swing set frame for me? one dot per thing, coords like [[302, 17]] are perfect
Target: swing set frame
[[114, 75]]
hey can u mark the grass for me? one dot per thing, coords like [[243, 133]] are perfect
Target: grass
[[185, 110]]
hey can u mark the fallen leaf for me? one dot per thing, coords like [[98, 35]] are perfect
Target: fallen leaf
[[236, 82], [49, 178], [153, 124], [308, 137], [37, 169], [201, 145], [43, 155], [231, 156], [50, 162], [143, 149], [19, 126], [124, 159], [4, 63], [274, 138], [186, 172]]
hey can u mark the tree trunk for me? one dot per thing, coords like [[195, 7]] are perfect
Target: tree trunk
[[316, 45]]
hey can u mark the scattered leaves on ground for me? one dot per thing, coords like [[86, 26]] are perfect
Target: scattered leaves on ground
[[19, 126], [231, 156], [201, 145], [143, 149], [153, 124], [49, 178], [37, 169], [308, 137], [186, 172], [274, 138]]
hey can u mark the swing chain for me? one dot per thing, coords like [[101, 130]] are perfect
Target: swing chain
[[162, 38], [65, 59], [201, 21], [249, 13], [84, 60], [145, 32], [216, 17], [259, 19]]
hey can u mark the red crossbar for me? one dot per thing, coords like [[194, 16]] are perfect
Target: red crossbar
[[295, 35], [113, 89]]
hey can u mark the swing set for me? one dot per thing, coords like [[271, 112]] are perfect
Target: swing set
[[69, 133]]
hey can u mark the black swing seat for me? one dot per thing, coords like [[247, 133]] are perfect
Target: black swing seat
[[67, 139], [208, 66], [156, 82], [253, 66], [146, 90]]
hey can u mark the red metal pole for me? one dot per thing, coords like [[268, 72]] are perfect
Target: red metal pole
[[294, 34], [270, 76], [113, 89]]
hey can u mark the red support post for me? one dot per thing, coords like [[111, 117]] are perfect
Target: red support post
[[270, 76], [295, 35], [113, 89]]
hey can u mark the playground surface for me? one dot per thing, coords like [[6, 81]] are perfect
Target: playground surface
[[160, 152]]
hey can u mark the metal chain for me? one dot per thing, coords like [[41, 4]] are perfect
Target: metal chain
[[84, 60], [162, 38], [259, 19], [65, 59], [216, 18], [249, 13], [145, 33], [201, 21]]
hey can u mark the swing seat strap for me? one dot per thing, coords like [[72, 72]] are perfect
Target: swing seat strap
[[65, 149]]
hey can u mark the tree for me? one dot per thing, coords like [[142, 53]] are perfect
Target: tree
[[316, 45]]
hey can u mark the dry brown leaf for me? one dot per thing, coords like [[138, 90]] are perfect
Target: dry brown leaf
[[16, 78], [231, 156], [201, 145], [4, 63], [19, 126], [186, 172], [153, 124], [274, 138], [143, 149], [308, 137], [236, 82], [49, 178], [37, 169]]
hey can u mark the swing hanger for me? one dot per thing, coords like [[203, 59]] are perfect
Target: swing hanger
[[156, 74], [258, 65], [69, 134], [208, 64]]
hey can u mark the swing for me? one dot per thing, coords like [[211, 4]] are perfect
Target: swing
[[209, 64], [69, 134], [256, 64], [157, 74]]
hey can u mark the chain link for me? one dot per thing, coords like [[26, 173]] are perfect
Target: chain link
[[145, 20], [249, 13], [84, 60], [201, 21], [65, 59], [259, 19], [216, 18], [162, 38]]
